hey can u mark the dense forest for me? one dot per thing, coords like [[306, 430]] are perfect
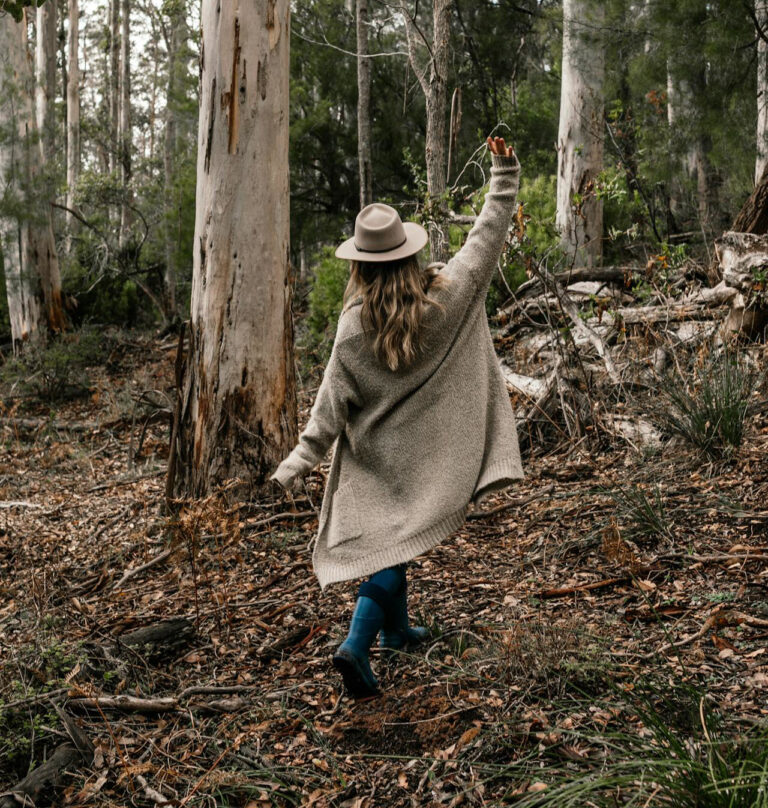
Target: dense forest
[[175, 177]]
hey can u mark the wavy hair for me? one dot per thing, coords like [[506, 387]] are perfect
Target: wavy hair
[[394, 302]]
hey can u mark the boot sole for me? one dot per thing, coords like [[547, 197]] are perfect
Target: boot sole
[[355, 683]]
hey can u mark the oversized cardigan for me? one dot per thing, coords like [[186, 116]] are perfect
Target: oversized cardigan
[[414, 447]]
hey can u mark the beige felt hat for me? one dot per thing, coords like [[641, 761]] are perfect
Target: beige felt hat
[[381, 236]]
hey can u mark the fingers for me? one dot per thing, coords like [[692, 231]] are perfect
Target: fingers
[[498, 146]]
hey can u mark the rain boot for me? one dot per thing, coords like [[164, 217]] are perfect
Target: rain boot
[[351, 657], [396, 634]]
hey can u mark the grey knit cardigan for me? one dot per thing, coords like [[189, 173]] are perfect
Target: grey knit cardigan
[[414, 447]]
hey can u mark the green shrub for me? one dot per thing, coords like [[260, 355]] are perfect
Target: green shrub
[[56, 370], [644, 516], [103, 294], [683, 759], [326, 299], [710, 411]]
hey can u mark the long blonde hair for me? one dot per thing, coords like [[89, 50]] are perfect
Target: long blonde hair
[[394, 301]]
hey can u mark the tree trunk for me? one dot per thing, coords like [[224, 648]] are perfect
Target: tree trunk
[[41, 243], [434, 82], [125, 117], [238, 410], [580, 136], [176, 43], [73, 110], [761, 12], [45, 76], [16, 117], [364, 106], [114, 82], [753, 216]]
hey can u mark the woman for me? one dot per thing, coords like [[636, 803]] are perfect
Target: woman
[[414, 398]]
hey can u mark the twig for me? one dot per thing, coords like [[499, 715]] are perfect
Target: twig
[[279, 517], [130, 481], [130, 573], [203, 690], [572, 590], [51, 694], [515, 503]]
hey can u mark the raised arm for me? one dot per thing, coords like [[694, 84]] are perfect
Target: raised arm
[[478, 257], [337, 393]]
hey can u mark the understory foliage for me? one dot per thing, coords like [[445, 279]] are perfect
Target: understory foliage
[[56, 370], [682, 758], [709, 410]]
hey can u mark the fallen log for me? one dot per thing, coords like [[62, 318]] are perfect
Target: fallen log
[[651, 315], [40, 785], [581, 274], [161, 640], [127, 704]]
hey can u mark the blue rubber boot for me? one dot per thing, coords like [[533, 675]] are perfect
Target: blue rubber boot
[[351, 657], [396, 634]]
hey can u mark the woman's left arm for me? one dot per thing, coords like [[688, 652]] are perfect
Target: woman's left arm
[[330, 411]]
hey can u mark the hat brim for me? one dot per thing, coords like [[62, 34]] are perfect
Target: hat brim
[[415, 239]]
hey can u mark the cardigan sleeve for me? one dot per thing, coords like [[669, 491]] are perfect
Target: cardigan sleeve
[[338, 391], [477, 259]]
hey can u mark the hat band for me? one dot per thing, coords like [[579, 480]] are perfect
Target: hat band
[[386, 249]]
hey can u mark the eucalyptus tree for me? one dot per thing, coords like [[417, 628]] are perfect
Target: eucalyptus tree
[[580, 134], [238, 410], [33, 286]]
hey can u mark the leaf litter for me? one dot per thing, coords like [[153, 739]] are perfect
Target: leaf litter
[[540, 613]]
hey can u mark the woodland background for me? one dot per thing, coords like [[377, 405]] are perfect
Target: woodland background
[[599, 630]]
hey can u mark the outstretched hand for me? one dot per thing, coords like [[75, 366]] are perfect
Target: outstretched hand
[[498, 146]]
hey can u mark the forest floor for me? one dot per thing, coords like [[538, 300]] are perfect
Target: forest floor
[[573, 631]]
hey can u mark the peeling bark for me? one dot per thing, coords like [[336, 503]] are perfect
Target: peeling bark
[[238, 408], [580, 137], [761, 161], [41, 244]]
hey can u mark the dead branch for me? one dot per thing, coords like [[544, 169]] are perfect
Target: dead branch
[[572, 590], [515, 503], [130, 573], [128, 704], [45, 779]]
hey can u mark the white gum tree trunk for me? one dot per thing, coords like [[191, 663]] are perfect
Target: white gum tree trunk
[[40, 241], [238, 411], [16, 117], [45, 75], [73, 107], [364, 106], [761, 12], [433, 78], [581, 132], [114, 82]]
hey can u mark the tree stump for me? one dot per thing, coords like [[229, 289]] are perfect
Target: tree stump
[[744, 261]]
